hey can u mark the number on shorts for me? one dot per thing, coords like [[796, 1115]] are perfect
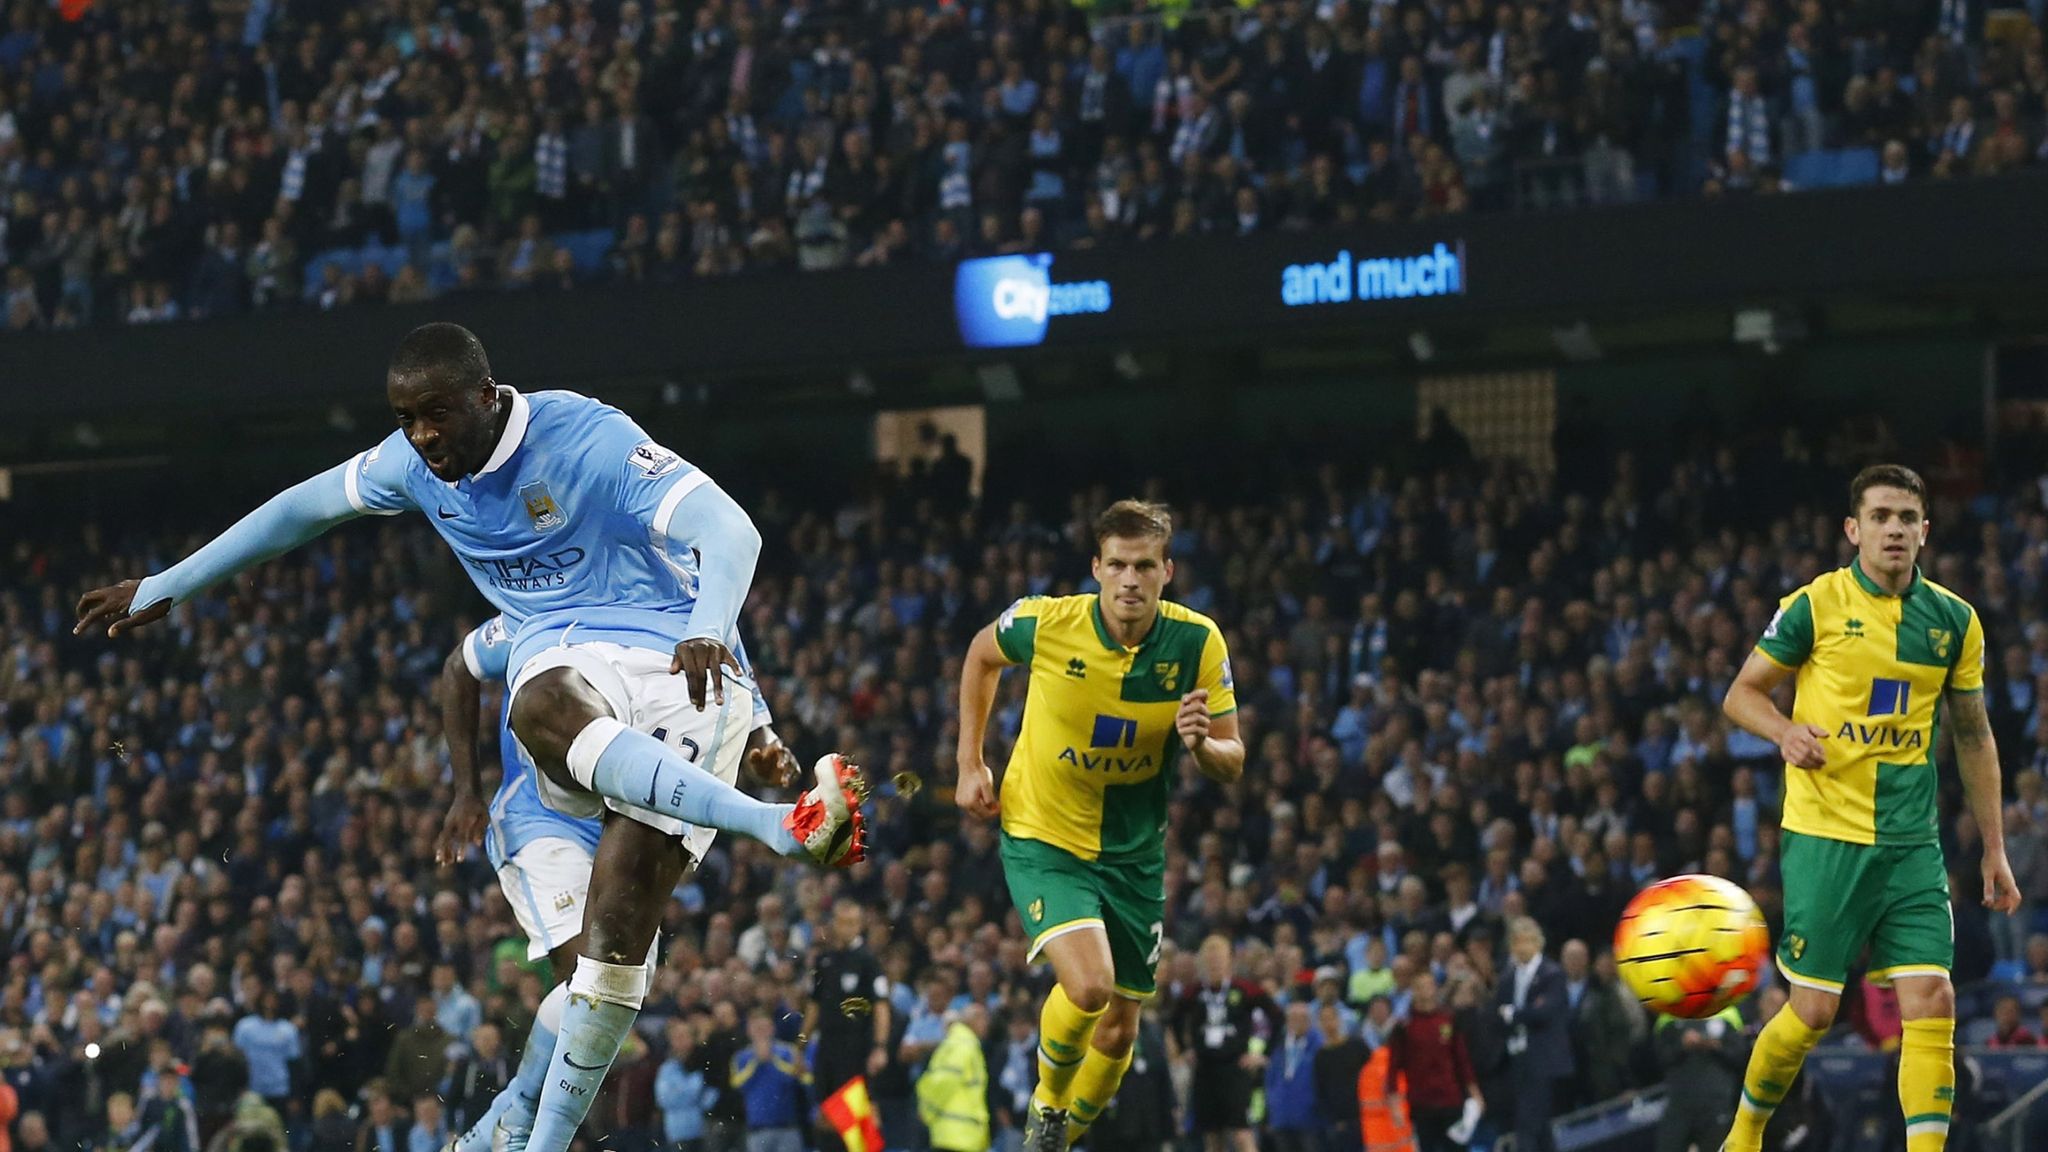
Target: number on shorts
[[1158, 942], [686, 746]]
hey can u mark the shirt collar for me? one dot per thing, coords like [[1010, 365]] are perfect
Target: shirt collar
[[1870, 586], [514, 434], [1530, 968], [1102, 627]]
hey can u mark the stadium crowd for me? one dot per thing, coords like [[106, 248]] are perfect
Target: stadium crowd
[[1470, 695], [164, 160]]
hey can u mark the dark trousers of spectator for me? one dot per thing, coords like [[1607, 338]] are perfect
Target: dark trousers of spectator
[[1344, 1136], [633, 1140], [1432, 1129], [1688, 1124], [1534, 1096], [1297, 1140], [556, 214]]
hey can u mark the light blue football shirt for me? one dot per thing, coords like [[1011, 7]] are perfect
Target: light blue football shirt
[[577, 520], [567, 525]]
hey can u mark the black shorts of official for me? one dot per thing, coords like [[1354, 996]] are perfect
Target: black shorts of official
[[1222, 1099]]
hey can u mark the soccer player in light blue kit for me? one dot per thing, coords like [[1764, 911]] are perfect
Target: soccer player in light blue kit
[[542, 855], [617, 565]]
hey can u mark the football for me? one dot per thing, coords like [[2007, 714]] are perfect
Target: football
[[1691, 945]]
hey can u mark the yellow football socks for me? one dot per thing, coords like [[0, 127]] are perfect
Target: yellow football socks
[[1773, 1064], [1927, 1082], [1094, 1086], [1063, 1034]]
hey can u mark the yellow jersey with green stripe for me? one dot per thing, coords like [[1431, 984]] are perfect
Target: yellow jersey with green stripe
[[1871, 669], [1090, 770]]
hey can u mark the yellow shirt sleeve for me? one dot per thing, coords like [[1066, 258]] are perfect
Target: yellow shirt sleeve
[[1968, 673], [1017, 629], [1215, 675]]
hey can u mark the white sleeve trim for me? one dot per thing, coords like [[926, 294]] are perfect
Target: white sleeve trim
[[681, 488], [350, 485], [470, 660]]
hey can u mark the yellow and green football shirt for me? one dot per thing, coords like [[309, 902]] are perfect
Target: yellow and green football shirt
[[1871, 670], [1089, 773]]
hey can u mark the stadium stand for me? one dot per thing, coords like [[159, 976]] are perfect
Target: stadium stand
[[161, 160], [1468, 692]]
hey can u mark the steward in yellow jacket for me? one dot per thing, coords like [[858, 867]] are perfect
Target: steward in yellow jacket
[[952, 1095]]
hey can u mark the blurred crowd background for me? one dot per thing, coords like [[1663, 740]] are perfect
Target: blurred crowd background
[[168, 159], [1470, 694]]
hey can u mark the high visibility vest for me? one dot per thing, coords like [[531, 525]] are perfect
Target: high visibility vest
[[1728, 1016], [1383, 1109]]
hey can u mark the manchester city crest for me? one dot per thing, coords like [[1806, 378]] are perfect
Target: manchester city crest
[[541, 507]]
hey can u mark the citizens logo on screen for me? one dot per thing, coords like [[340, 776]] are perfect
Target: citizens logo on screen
[[1008, 301]]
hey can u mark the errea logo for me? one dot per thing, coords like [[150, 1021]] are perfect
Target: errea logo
[[1077, 668]]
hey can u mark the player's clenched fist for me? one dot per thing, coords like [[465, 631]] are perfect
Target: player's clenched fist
[[976, 794], [1801, 747], [1193, 720], [770, 760]]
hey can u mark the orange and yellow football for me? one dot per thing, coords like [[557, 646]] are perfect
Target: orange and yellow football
[[1691, 945]]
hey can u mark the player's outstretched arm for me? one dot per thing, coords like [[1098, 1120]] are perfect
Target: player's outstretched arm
[[460, 712], [1749, 704], [1977, 763], [280, 524], [981, 669]]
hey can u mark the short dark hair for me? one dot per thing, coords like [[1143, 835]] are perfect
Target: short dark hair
[[1134, 520], [445, 353], [1885, 476]]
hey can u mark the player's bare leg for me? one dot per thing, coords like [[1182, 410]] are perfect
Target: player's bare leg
[[636, 869], [567, 726], [1774, 1062], [1927, 1057]]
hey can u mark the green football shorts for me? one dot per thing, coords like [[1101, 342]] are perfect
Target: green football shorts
[[1057, 892], [1839, 896]]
